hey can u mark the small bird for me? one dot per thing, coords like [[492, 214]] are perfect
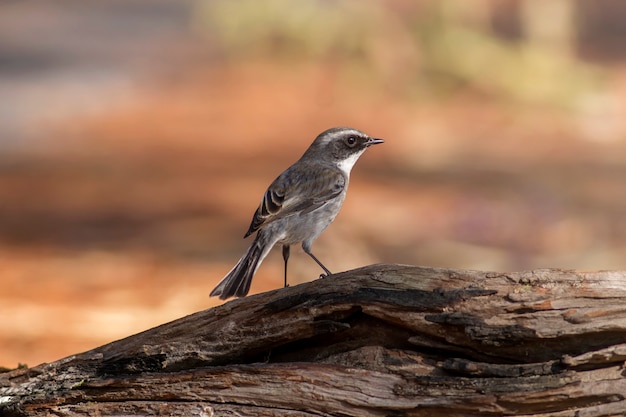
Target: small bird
[[299, 205]]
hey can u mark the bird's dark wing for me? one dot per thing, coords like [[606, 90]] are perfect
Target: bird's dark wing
[[301, 189]]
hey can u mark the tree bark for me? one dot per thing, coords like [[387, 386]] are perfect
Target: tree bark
[[377, 341]]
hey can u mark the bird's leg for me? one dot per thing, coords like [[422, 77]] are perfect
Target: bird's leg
[[286, 258], [307, 249]]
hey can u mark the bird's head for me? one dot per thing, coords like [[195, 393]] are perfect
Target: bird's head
[[341, 146]]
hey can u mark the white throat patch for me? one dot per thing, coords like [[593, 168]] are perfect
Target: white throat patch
[[347, 164]]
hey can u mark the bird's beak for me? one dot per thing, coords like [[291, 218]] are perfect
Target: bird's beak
[[373, 141]]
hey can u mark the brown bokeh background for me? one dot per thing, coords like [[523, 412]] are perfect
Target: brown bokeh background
[[137, 138]]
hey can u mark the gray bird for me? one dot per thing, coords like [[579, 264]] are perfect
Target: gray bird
[[299, 205]]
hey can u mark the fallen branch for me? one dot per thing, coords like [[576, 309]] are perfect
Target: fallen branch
[[381, 340]]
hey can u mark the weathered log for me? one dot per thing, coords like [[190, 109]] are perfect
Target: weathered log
[[377, 341]]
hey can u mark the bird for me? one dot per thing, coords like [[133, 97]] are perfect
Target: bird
[[299, 205]]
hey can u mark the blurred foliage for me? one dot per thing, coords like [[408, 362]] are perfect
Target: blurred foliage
[[435, 48], [459, 47], [279, 27]]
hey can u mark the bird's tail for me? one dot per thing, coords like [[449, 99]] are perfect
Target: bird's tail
[[237, 282]]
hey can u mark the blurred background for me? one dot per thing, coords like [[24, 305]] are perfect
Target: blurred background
[[137, 138]]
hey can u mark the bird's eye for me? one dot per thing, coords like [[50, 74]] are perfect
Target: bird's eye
[[351, 141]]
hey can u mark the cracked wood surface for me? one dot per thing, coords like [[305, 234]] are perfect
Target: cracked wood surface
[[377, 341]]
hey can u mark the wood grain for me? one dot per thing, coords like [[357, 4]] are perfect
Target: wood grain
[[377, 341]]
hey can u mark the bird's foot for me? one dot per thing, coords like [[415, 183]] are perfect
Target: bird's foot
[[323, 276]]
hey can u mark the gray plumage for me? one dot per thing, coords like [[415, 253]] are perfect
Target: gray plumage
[[299, 205]]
